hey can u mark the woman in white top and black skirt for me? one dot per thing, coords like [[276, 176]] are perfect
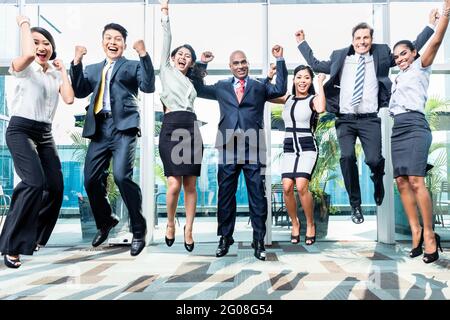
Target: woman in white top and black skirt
[[411, 137], [37, 199], [300, 150], [180, 141]]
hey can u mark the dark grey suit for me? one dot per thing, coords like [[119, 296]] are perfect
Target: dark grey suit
[[114, 137], [368, 126]]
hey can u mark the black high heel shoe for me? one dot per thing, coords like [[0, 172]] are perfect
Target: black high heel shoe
[[296, 239], [11, 263], [431, 257], [169, 242], [311, 239], [417, 251], [189, 246]]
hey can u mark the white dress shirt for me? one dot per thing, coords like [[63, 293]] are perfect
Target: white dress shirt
[[409, 89], [369, 102], [106, 95], [36, 93]]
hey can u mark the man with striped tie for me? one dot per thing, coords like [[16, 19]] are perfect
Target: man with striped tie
[[358, 87]]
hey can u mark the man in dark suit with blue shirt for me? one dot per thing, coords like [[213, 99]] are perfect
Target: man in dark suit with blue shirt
[[241, 143], [112, 125], [358, 87]]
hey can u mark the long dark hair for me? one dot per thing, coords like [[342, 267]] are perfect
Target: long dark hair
[[195, 73], [47, 35], [311, 73]]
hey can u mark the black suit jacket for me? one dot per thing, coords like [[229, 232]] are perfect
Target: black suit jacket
[[249, 114], [383, 60], [127, 78]]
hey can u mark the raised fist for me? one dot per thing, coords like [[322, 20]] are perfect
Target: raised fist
[[277, 51], [207, 56], [80, 51], [300, 36], [139, 46]]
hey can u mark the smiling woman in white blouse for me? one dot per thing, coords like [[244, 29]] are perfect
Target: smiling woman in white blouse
[[37, 199], [411, 136], [180, 141]]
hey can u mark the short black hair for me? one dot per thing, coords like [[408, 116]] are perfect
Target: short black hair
[[362, 25], [47, 35], [311, 73], [117, 27]]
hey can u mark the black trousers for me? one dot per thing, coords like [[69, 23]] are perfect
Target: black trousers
[[121, 147], [368, 130], [228, 176], [37, 199]]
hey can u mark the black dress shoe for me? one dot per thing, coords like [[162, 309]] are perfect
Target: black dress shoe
[[103, 233], [357, 216], [169, 241], [260, 250], [188, 246], [12, 262], [224, 245], [378, 194], [137, 244]]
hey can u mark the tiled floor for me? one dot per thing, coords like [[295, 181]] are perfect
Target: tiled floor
[[326, 270]]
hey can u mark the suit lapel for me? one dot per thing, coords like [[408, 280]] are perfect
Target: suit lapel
[[233, 92], [376, 58], [247, 88], [117, 65]]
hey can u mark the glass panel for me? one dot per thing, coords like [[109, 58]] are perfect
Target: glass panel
[[8, 33], [333, 223]]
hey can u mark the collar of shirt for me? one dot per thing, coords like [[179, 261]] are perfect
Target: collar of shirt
[[367, 57], [236, 82], [38, 68]]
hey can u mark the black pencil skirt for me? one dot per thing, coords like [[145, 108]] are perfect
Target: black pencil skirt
[[410, 143], [181, 144]]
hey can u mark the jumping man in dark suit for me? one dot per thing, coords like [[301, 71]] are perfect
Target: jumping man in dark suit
[[112, 124], [240, 141], [358, 87]]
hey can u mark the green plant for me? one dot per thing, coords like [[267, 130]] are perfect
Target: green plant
[[328, 158], [79, 154], [435, 105]]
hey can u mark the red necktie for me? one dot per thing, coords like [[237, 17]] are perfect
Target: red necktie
[[240, 90]]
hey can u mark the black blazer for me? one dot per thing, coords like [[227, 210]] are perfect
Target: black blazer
[[383, 60], [249, 114], [127, 77]]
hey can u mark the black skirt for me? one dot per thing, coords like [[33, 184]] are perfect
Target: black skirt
[[410, 144], [181, 144]]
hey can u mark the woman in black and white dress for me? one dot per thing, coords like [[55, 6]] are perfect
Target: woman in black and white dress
[[300, 151]]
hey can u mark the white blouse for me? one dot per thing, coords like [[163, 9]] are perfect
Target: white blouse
[[409, 89], [36, 93]]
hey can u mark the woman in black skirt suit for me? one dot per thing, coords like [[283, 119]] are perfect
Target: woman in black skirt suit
[[180, 141], [411, 137]]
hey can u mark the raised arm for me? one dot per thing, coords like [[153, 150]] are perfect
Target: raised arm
[[432, 48], [145, 71], [320, 100], [167, 35], [205, 91], [307, 53], [280, 87], [65, 88], [28, 48], [80, 84]]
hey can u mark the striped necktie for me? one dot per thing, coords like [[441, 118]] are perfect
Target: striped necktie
[[359, 84], [240, 90]]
